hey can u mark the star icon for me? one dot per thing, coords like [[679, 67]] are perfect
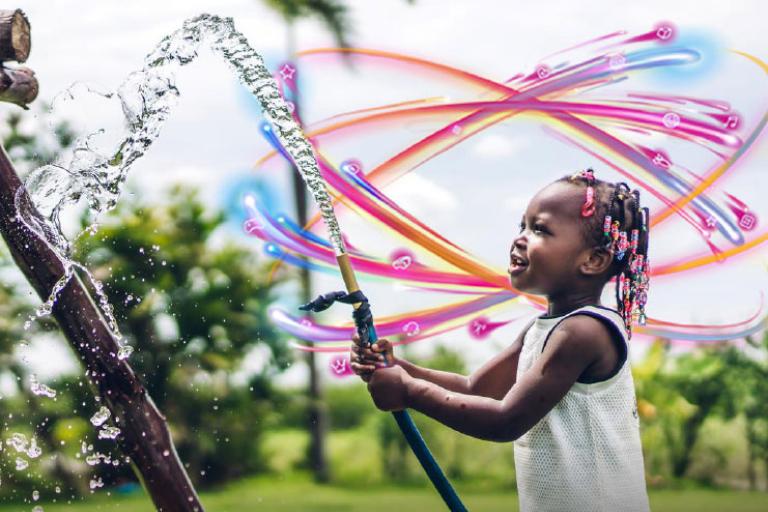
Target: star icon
[[287, 72]]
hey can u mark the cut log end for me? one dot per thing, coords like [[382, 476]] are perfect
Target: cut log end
[[18, 86], [15, 39]]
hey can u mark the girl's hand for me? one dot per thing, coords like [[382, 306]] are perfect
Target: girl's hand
[[365, 360], [389, 388]]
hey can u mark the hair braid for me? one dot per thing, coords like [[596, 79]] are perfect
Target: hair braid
[[617, 222]]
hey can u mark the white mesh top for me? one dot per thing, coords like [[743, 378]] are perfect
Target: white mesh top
[[585, 454]]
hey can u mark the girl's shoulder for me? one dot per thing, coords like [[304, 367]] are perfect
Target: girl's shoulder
[[600, 331]]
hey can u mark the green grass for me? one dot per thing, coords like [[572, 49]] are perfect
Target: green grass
[[297, 493], [356, 460]]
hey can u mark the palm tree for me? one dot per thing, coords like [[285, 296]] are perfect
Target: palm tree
[[335, 17]]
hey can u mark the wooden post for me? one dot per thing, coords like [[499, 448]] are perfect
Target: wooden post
[[144, 436], [18, 86], [144, 433], [14, 36]]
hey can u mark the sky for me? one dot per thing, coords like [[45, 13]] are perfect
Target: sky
[[474, 195]]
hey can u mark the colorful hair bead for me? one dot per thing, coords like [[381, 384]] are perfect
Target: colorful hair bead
[[635, 241], [588, 208], [607, 228], [622, 245]]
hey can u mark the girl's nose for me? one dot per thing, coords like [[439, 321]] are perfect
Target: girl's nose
[[520, 242]]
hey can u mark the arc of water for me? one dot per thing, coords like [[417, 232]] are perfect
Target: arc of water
[[254, 75]]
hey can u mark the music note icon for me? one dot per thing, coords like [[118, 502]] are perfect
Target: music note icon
[[411, 328], [731, 122], [661, 161], [351, 166], [671, 120], [402, 263], [478, 327], [339, 365], [664, 32], [253, 226], [748, 221]]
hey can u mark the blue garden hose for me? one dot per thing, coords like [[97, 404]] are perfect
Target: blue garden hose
[[367, 333], [421, 451]]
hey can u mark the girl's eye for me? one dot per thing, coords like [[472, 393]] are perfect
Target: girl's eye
[[536, 228]]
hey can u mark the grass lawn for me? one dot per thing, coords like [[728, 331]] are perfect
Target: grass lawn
[[297, 493]]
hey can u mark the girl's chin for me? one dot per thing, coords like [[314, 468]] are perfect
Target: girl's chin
[[517, 283]]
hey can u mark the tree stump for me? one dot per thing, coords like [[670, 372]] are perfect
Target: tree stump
[[18, 86], [14, 36]]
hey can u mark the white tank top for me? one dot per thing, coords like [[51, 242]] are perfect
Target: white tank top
[[585, 454]]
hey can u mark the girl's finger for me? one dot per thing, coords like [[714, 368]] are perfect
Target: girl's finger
[[362, 368]]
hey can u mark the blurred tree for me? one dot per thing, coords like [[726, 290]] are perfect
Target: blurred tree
[[192, 308], [747, 382], [25, 412], [24, 144], [395, 450], [702, 378], [334, 15], [677, 395]]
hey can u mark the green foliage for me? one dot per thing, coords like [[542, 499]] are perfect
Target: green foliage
[[333, 14], [349, 405], [192, 309], [717, 390], [27, 149], [185, 304]]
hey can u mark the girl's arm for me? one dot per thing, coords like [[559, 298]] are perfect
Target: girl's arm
[[494, 379], [576, 344]]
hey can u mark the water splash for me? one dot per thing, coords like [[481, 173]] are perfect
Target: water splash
[[33, 451], [39, 388], [95, 483], [100, 417], [146, 98], [109, 432], [18, 442]]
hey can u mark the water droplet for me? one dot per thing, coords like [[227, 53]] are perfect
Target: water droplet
[[124, 352], [39, 388], [34, 451], [109, 433], [18, 442], [100, 416]]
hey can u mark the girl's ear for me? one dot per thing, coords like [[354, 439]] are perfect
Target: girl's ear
[[598, 261]]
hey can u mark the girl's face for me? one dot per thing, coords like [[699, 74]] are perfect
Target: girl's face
[[546, 256]]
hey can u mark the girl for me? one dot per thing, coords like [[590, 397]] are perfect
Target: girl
[[563, 391]]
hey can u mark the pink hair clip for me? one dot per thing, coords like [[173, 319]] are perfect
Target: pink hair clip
[[588, 209]]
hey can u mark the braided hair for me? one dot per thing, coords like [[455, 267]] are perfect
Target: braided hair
[[614, 219]]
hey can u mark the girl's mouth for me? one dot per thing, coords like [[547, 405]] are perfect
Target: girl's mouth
[[516, 264]]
